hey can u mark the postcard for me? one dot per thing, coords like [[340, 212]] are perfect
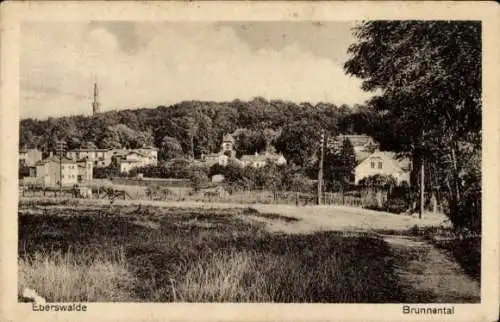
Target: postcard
[[249, 161]]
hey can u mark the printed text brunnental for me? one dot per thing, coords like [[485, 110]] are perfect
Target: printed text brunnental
[[441, 310]]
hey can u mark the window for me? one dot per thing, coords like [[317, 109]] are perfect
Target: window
[[380, 165], [373, 165]]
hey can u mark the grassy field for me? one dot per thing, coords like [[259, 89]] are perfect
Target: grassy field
[[85, 252]]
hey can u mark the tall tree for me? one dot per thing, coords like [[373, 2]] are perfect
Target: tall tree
[[339, 166], [428, 74], [299, 141], [170, 148]]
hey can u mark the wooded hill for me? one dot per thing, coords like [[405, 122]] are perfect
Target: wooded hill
[[196, 127]]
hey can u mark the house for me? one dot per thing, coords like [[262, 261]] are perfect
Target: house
[[257, 160], [360, 142], [228, 146], [29, 157], [151, 153], [225, 154], [51, 171], [276, 158], [260, 160], [133, 159], [364, 145], [99, 157], [383, 163], [217, 178], [215, 158], [127, 165], [85, 170]]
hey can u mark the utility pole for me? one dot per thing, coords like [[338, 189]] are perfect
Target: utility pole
[[422, 189], [60, 147], [422, 179], [320, 172]]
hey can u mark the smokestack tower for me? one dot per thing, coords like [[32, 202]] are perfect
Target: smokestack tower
[[96, 106]]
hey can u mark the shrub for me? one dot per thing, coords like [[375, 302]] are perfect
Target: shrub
[[378, 180], [106, 172], [396, 205]]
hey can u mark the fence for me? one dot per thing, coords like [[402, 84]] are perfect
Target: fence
[[105, 190]]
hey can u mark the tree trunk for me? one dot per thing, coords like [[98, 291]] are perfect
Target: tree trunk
[[456, 174], [434, 202]]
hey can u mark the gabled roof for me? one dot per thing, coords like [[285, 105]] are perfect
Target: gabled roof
[[357, 140], [149, 148], [89, 150], [228, 138], [401, 163], [273, 156], [254, 157], [55, 159], [361, 156], [136, 152], [261, 157], [129, 161]]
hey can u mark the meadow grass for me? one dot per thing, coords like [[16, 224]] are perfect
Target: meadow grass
[[72, 277], [143, 253]]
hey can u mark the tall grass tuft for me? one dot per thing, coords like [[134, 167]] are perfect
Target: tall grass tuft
[[226, 276], [73, 277]]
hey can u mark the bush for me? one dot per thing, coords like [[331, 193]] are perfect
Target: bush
[[24, 171], [107, 172], [378, 180], [396, 205]]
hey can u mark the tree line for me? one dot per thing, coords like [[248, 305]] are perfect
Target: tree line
[[192, 128]]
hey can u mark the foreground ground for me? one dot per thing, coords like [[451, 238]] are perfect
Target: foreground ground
[[199, 252]]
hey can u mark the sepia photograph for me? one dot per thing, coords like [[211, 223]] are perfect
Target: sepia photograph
[[239, 160]]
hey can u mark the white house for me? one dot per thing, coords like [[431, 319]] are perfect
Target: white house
[[71, 172], [99, 157], [383, 163], [260, 160], [133, 159], [29, 157]]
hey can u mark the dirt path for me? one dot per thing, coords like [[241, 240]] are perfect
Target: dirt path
[[427, 274], [431, 273]]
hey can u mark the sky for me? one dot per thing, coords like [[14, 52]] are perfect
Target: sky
[[146, 64]]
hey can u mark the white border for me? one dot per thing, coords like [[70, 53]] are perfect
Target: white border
[[12, 13]]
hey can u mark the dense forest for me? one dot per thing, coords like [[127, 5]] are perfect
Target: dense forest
[[192, 128]]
